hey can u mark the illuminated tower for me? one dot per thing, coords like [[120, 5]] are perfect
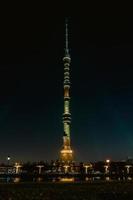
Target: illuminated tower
[[66, 154]]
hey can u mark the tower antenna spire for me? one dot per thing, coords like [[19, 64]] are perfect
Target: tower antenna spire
[[66, 39]]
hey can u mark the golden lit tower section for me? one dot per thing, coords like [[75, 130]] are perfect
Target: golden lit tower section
[[66, 154]]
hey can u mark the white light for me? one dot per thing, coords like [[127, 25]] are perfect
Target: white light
[[8, 158], [107, 161]]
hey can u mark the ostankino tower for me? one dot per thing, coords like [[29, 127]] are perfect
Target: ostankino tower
[[66, 154]]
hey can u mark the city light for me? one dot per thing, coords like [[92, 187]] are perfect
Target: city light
[[128, 168], [40, 168], [17, 167], [66, 168], [8, 158], [107, 161], [87, 166]]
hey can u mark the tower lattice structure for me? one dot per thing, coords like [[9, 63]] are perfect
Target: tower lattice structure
[[66, 153]]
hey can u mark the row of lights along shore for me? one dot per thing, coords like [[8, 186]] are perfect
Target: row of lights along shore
[[18, 166]]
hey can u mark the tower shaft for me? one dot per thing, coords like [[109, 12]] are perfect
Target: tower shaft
[[66, 152]]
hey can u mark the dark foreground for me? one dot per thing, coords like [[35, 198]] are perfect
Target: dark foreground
[[69, 191]]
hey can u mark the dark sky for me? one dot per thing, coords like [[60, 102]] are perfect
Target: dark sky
[[31, 81]]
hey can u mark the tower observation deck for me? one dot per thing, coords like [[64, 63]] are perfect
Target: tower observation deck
[[66, 153]]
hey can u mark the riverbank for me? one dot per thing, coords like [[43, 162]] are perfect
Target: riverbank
[[67, 191]]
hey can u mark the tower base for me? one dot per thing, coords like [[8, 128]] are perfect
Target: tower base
[[66, 155]]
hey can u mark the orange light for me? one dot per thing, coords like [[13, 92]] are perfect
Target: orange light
[[66, 151], [67, 180]]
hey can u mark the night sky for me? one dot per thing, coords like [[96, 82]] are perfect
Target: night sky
[[31, 82]]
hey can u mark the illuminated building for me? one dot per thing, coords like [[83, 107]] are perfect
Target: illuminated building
[[66, 154]]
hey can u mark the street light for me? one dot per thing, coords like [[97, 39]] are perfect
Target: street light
[[108, 161], [107, 166], [8, 160], [107, 169]]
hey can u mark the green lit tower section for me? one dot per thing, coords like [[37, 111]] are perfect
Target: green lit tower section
[[66, 154]]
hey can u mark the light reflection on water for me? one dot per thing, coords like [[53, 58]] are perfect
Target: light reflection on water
[[19, 179], [16, 180], [39, 179], [67, 180], [88, 179], [107, 178]]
